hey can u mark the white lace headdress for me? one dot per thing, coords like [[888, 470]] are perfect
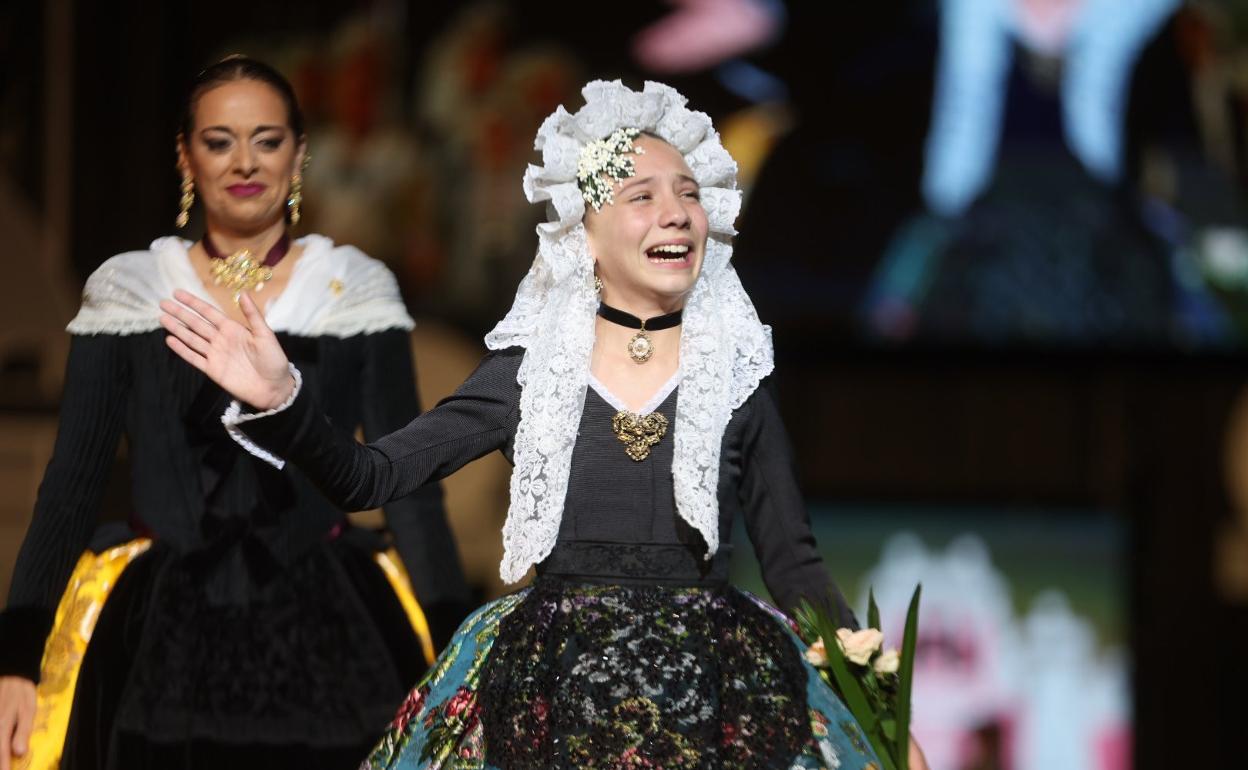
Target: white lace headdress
[[724, 349]]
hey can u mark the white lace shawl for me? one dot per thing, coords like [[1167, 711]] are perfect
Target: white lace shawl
[[725, 351], [333, 290]]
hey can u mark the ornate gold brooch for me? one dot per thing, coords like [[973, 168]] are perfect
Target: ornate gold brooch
[[240, 272], [639, 433]]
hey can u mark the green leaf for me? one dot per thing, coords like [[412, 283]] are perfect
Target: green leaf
[[873, 612], [889, 726], [807, 618], [886, 760], [905, 676]]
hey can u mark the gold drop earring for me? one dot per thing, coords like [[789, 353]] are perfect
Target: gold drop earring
[[597, 284], [296, 199], [188, 200]]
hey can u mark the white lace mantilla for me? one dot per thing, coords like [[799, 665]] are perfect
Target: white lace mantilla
[[333, 290], [725, 351]]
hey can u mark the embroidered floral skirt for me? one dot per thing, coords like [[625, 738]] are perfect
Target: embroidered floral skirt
[[574, 675]]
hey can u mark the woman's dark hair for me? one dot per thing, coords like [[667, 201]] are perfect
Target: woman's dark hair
[[233, 68]]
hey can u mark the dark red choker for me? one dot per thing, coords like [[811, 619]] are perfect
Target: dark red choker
[[275, 255]]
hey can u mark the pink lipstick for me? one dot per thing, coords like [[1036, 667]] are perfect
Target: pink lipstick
[[248, 190]]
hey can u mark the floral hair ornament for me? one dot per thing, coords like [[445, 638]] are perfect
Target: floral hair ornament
[[604, 163], [724, 350]]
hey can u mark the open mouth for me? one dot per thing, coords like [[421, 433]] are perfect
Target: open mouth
[[669, 254]]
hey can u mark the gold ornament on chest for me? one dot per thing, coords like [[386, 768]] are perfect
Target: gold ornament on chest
[[639, 433], [240, 272]]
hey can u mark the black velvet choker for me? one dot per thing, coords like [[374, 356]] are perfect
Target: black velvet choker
[[640, 347]]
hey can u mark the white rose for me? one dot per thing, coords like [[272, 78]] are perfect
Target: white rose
[[858, 646], [888, 662], [817, 654]]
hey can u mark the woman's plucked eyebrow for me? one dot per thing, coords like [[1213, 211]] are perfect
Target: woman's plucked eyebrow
[[256, 130]]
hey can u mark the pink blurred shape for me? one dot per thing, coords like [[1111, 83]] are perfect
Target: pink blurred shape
[[1113, 748], [702, 33]]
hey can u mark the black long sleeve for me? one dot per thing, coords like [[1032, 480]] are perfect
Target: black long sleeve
[[91, 418], [478, 418], [422, 535], [776, 517]]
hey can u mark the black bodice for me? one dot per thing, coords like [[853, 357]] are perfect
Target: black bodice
[[619, 522]]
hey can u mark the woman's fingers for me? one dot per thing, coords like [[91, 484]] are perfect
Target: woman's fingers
[[186, 354], [188, 319], [255, 319], [205, 309], [25, 724], [188, 337], [17, 716]]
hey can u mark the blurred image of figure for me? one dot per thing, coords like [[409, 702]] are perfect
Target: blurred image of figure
[[1029, 236], [482, 94], [996, 687], [370, 183]]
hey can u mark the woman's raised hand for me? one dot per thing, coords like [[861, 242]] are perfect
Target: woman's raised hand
[[247, 361]]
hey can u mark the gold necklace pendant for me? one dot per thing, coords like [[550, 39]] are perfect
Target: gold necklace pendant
[[639, 433], [640, 347], [240, 272]]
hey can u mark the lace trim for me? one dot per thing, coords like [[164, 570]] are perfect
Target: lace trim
[[725, 351], [234, 416], [652, 403]]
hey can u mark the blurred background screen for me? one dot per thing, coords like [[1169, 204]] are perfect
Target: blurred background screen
[[1023, 639]]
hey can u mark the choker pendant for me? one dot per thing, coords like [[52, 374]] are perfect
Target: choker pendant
[[641, 345]]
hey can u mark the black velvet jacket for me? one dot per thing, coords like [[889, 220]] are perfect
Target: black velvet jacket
[[195, 491]]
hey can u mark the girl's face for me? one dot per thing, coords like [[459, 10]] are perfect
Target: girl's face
[[649, 244], [242, 154]]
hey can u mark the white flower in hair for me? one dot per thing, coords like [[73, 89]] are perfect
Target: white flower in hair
[[605, 162], [724, 350]]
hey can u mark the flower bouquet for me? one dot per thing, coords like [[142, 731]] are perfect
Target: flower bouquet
[[873, 682]]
